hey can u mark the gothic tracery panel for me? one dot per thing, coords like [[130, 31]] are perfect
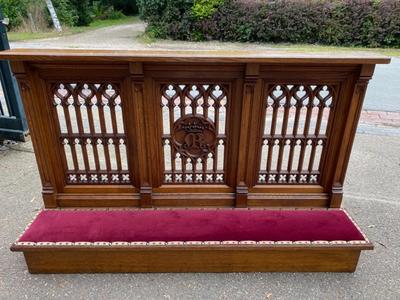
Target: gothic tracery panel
[[295, 133], [91, 132], [194, 132]]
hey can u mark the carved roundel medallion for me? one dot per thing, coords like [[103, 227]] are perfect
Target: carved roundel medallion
[[194, 136]]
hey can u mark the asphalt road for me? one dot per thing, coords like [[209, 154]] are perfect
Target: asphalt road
[[384, 89]]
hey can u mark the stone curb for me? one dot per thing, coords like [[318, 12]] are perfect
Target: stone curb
[[382, 118]]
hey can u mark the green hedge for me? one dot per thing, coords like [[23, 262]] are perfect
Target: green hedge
[[371, 23], [15, 10], [66, 12]]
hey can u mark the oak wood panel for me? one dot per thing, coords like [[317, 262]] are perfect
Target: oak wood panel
[[247, 78], [98, 199], [279, 200], [353, 116], [234, 259], [296, 188], [32, 92], [277, 108]]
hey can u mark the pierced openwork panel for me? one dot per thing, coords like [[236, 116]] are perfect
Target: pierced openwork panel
[[295, 133], [91, 131], [194, 132]]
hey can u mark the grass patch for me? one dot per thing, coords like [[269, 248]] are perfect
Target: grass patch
[[321, 48], [22, 36], [15, 36], [105, 23], [148, 38]]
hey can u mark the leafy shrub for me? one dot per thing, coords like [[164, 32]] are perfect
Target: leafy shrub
[[66, 12], [151, 10], [15, 10], [102, 11], [169, 18], [114, 14], [156, 31], [349, 23], [113, 9], [83, 10], [127, 7], [388, 18], [372, 23], [233, 21], [205, 8], [73, 12], [69, 12]]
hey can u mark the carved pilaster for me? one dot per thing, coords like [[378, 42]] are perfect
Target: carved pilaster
[[249, 91], [350, 126], [143, 160], [31, 97]]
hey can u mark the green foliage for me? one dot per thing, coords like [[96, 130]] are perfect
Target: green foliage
[[388, 18], [70, 12], [168, 18], [127, 7], [205, 8], [15, 10], [371, 23], [73, 12], [66, 12], [197, 35], [101, 11], [113, 14], [151, 9], [83, 10], [156, 31], [113, 9]]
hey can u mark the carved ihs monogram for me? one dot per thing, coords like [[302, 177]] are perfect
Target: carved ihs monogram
[[194, 137]]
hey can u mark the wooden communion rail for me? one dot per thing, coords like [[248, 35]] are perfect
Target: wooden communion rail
[[253, 130]]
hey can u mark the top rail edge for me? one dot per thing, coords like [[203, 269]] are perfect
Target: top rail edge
[[186, 56]]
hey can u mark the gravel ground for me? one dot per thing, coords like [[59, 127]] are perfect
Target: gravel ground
[[371, 196]]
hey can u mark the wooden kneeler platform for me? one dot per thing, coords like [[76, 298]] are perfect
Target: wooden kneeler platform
[[191, 161], [210, 240]]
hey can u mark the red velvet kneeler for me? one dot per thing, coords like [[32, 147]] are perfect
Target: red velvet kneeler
[[191, 225]]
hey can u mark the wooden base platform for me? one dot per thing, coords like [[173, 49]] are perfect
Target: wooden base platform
[[232, 258], [192, 240]]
